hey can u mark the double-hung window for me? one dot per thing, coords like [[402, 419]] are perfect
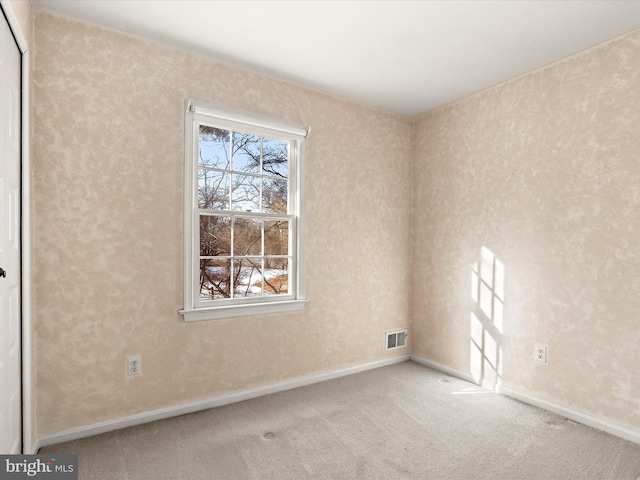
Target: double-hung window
[[243, 222]]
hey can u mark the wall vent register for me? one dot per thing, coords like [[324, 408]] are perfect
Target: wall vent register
[[395, 339]]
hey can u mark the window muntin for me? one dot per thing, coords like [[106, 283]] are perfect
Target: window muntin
[[243, 246]]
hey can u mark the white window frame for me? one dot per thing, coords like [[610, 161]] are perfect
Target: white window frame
[[194, 309]]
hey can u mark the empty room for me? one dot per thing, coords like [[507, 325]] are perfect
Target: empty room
[[320, 239]]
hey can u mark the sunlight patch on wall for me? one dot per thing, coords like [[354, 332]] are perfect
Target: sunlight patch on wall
[[487, 319]]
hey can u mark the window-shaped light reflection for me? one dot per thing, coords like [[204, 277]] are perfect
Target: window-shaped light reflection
[[498, 314], [491, 358], [486, 299], [474, 282], [486, 265], [475, 346], [487, 318], [498, 284]]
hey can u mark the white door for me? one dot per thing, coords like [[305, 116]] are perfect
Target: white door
[[10, 318]]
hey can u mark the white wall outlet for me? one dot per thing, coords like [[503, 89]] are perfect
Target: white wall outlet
[[542, 353], [134, 365]]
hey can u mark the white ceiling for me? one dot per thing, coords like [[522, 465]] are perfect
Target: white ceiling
[[404, 56]]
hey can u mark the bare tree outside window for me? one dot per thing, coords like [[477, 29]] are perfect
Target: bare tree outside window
[[243, 203]]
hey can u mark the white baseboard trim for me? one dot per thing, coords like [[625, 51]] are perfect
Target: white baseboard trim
[[33, 449], [211, 402], [442, 368], [621, 432]]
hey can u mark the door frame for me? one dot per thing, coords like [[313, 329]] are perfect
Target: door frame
[[29, 444]]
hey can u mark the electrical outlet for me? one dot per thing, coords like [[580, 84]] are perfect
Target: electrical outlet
[[542, 353], [134, 365]]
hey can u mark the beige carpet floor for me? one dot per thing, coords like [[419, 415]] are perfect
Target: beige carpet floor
[[404, 421]]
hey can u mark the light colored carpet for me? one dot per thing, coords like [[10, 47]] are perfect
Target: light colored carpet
[[404, 421]]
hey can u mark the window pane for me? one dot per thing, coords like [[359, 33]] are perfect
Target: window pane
[[274, 196], [245, 194], [247, 277], [276, 237], [214, 147], [215, 279], [246, 153], [276, 276], [275, 157], [215, 236], [213, 189], [247, 237]]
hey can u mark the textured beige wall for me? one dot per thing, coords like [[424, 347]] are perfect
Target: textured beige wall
[[544, 171], [108, 156], [24, 14]]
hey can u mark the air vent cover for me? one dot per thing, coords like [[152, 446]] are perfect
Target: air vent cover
[[395, 339]]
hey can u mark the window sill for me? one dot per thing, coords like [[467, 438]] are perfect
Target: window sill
[[233, 311]]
